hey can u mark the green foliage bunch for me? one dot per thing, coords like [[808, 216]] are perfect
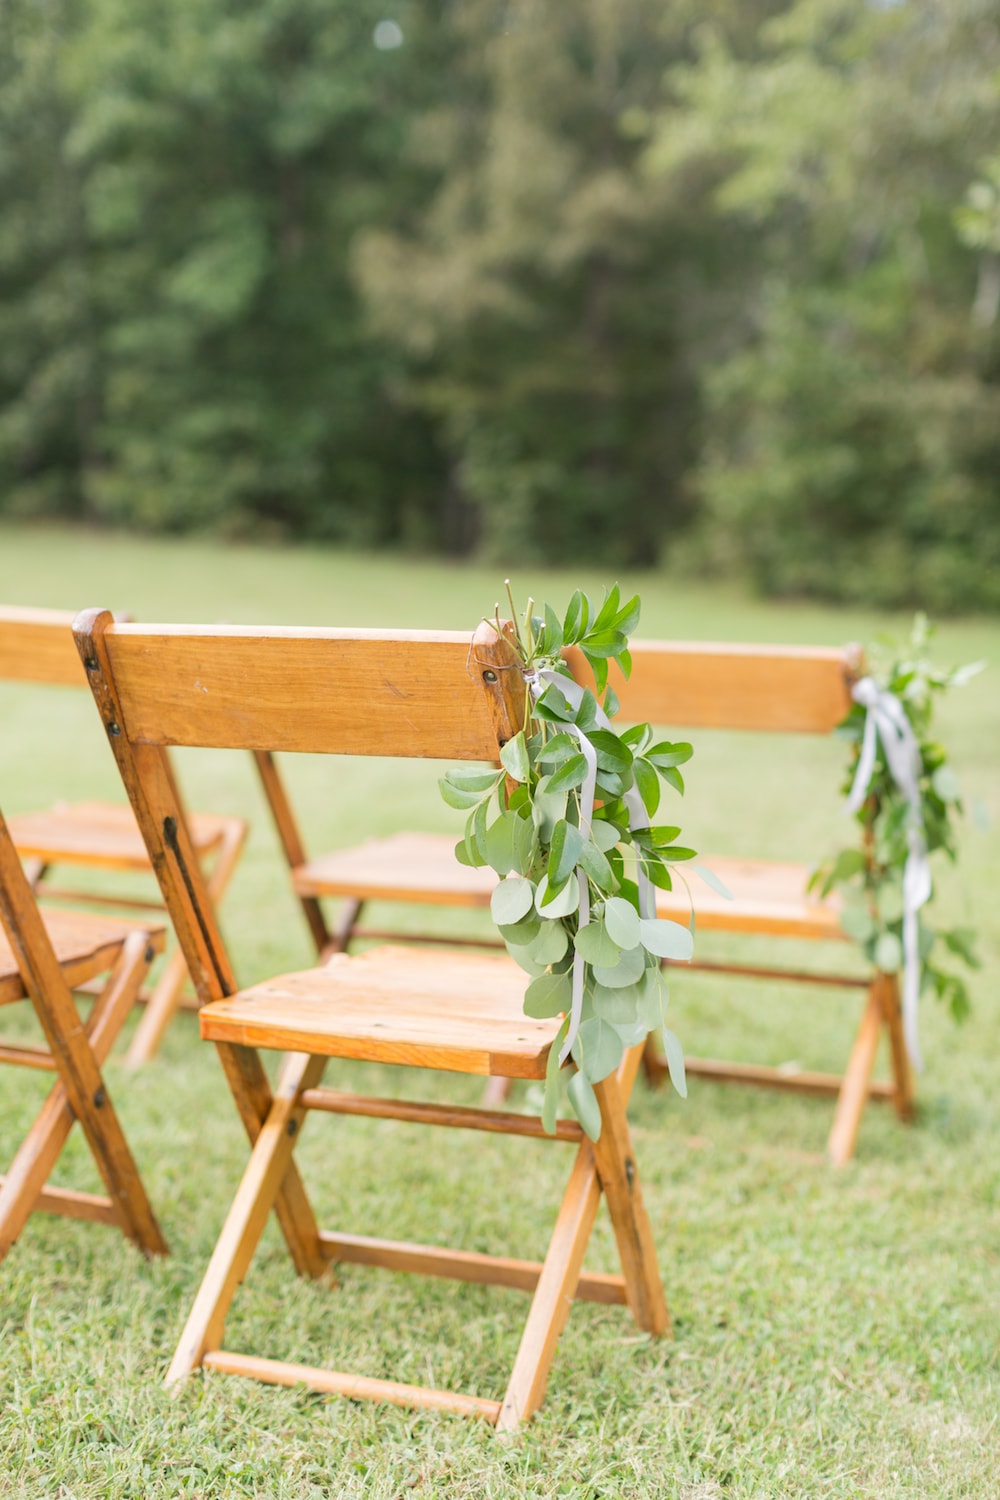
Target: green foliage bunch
[[870, 873], [570, 893]]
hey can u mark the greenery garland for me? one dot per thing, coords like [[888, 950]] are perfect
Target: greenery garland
[[870, 873], [571, 878]]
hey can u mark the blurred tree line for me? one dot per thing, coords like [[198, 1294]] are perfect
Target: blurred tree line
[[716, 281]]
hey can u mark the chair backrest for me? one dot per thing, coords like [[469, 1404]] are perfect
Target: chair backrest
[[36, 645], [709, 685], [350, 692]]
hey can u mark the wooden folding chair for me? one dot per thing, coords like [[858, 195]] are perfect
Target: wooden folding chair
[[771, 689], [776, 690], [357, 693], [42, 961], [36, 646]]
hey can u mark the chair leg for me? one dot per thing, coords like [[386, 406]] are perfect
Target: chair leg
[[902, 1071], [163, 1002], [553, 1296], [41, 1147], [159, 1012], [854, 1090], [610, 1163], [619, 1175], [270, 1162], [340, 940]]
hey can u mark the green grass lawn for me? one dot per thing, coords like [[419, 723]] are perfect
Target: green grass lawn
[[835, 1333]]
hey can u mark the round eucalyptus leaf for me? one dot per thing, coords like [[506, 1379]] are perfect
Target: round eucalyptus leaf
[[857, 922], [596, 945], [945, 783], [666, 939], [563, 904], [616, 1006], [632, 1032], [597, 1050], [888, 953], [512, 899], [522, 957], [627, 970], [548, 995], [622, 921], [604, 834], [523, 932], [550, 945]]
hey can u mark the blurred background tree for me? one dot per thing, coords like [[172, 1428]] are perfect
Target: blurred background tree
[[715, 282]]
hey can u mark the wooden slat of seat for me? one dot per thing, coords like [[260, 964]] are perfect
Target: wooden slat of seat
[[103, 834], [465, 1016], [84, 943], [404, 867], [768, 898]]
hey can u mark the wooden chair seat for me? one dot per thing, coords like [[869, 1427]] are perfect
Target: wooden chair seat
[[769, 898], [394, 1005], [84, 943], [102, 834]]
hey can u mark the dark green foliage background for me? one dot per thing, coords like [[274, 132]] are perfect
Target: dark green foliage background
[[711, 283]]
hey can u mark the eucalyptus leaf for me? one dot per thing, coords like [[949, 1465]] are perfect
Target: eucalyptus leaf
[[551, 943], [580, 1092], [522, 932], [458, 797], [512, 899], [858, 922], [597, 1050], [550, 1104], [627, 970], [946, 784], [501, 842], [595, 944], [548, 995], [617, 1006], [561, 902], [604, 834], [652, 997], [675, 1061], [514, 758], [888, 953], [622, 922], [666, 939], [711, 879]]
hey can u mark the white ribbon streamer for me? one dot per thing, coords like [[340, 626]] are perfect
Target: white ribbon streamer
[[638, 818], [886, 721]]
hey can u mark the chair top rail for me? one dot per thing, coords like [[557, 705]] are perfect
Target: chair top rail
[[36, 645], [718, 685], [323, 690]]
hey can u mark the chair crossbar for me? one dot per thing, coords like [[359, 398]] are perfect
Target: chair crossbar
[[780, 1078], [354, 1387], [71, 1204], [462, 1265], [791, 976], [27, 1057], [462, 1117]]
